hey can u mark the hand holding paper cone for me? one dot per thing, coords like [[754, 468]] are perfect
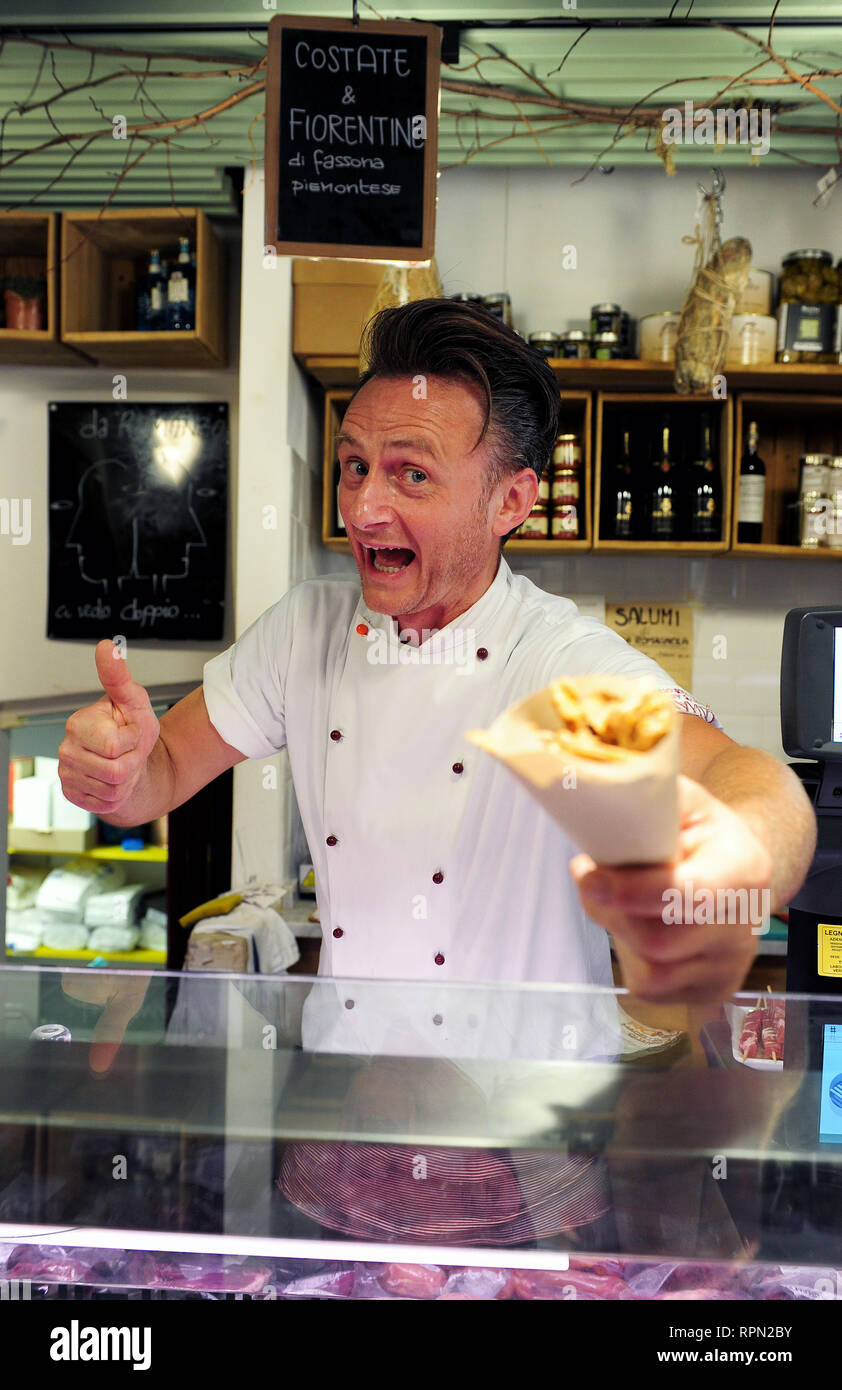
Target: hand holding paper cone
[[601, 755]]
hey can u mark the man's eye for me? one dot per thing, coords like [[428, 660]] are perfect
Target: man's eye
[[356, 467], [417, 475]]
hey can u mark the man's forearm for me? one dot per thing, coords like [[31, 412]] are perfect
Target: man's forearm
[[154, 793], [772, 801]]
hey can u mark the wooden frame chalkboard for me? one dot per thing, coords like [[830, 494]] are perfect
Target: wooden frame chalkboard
[[137, 520], [355, 93]]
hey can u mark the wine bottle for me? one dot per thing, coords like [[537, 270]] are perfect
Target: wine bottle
[[752, 492], [705, 490], [181, 290], [150, 296], [621, 510], [663, 490]]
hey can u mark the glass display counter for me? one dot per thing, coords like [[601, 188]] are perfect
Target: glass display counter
[[213, 1136]]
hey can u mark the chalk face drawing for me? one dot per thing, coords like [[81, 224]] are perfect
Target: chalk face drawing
[[137, 520]]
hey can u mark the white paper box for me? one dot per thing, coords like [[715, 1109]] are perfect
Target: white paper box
[[66, 816], [47, 767], [32, 803]]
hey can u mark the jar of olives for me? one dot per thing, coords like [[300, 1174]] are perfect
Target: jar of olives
[[809, 294]]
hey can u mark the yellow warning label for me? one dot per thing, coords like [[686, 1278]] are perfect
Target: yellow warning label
[[830, 949]]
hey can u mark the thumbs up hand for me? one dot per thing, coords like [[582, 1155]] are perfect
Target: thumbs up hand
[[106, 745]]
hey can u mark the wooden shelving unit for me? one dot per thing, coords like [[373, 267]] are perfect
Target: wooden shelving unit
[[789, 425], [102, 256], [632, 374], [577, 416], [784, 399], [29, 246], [636, 404]]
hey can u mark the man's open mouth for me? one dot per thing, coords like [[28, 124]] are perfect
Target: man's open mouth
[[388, 559]]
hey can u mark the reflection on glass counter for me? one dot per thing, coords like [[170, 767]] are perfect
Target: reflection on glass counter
[[356, 1138]]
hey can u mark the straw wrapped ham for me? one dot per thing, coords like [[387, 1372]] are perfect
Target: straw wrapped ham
[[600, 753]]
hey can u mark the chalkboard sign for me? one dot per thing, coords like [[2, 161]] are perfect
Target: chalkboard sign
[[351, 138], [137, 520]]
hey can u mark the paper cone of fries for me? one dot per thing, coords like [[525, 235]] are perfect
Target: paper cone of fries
[[600, 753]]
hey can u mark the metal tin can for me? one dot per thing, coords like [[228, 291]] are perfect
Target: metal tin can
[[574, 343], [813, 477], [565, 523], [606, 346], [606, 318], [567, 452], [815, 509], [50, 1032], [544, 342], [500, 305], [834, 492]]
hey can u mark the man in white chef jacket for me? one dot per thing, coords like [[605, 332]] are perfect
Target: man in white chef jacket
[[432, 864]]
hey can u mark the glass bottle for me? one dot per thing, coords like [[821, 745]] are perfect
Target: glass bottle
[[705, 489], [663, 489], [752, 493], [621, 509], [150, 296], [181, 290]]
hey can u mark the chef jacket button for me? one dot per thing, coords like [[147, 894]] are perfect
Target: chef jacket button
[[349, 1003], [438, 876], [439, 958], [482, 653], [331, 840], [337, 932], [362, 629], [438, 1020], [458, 767], [336, 735]]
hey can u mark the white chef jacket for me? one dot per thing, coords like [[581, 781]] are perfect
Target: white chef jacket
[[432, 863]]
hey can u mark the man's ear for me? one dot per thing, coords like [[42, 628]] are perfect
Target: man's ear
[[517, 494]]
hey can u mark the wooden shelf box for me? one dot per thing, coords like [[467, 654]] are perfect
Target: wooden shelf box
[[642, 414], [576, 418], [576, 407], [29, 246], [788, 426], [103, 254]]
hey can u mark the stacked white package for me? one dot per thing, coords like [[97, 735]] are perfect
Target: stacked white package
[[22, 887], [65, 892], [24, 929], [123, 938], [117, 908], [153, 930], [66, 936]]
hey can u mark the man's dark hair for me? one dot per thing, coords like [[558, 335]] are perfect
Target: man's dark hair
[[451, 339]]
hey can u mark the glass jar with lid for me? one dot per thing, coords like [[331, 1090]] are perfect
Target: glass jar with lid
[[606, 318], [500, 305], [807, 311], [544, 342], [536, 527], [574, 343], [606, 347]]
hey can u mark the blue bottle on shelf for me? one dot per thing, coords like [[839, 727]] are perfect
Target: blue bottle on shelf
[[151, 297], [181, 290]]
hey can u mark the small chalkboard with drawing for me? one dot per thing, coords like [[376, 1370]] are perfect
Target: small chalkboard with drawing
[[137, 520]]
